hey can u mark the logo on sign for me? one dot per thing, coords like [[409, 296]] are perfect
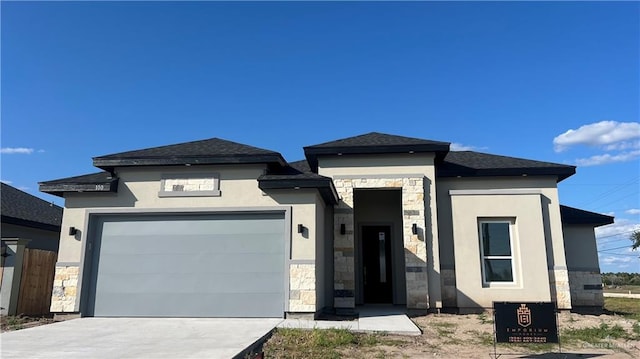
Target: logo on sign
[[524, 316]]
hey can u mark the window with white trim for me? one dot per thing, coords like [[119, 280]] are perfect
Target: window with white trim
[[496, 250]]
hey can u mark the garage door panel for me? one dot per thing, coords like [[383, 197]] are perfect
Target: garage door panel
[[239, 243], [216, 283], [194, 266], [147, 305]]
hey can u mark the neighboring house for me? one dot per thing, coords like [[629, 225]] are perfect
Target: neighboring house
[[29, 217], [30, 236], [214, 228]]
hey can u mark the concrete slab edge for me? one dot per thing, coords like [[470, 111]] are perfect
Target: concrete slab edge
[[255, 347]]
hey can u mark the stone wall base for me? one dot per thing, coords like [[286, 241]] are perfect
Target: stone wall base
[[65, 285], [586, 289]]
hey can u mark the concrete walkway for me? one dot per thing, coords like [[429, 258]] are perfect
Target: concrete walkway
[[107, 338], [371, 319], [621, 295]]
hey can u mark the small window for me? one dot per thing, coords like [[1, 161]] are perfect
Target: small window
[[496, 251], [189, 185]]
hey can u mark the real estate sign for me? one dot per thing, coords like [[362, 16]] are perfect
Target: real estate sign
[[525, 322]]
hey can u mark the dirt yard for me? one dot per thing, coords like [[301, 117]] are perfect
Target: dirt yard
[[471, 336]]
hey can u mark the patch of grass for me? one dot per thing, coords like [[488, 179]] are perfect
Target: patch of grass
[[320, 343], [594, 335], [627, 307], [484, 319], [444, 329], [483, 338]]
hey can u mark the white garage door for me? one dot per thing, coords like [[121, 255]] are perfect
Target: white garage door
[[222, 265]]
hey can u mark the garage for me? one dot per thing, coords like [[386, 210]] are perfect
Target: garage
[[187, 265]]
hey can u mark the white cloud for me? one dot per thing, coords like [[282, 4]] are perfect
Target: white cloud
[[631, 145], [600, 134], [621, 228], [608, 158], [6, 181], [16, 150], [632, 211], [455, 146], [617, 260]]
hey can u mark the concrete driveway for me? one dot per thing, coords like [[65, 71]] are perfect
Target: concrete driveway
[[136, 338]]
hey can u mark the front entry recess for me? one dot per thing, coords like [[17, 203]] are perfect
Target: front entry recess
[[376, 243]]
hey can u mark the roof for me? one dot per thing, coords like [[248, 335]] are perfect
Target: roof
[[297, 175], [374, 143], [21, 208], [572, 215], [94, 182], [477, 164], [209, 151]]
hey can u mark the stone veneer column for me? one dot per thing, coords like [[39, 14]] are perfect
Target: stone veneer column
[[302, 288], [415, 244], [65, 284], [413, 211], [344, 281], [560, 289]]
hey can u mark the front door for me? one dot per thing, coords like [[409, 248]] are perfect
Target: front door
[[376, 253]]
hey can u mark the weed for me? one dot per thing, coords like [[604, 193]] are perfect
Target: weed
[[595, 335], [484, 319]]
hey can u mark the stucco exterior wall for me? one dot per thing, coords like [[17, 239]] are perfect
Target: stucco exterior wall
[[38, 238], [585, 280], [138, 192], [548, 206]]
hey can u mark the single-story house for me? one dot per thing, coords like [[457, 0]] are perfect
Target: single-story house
[[29, 217], [214, 228]]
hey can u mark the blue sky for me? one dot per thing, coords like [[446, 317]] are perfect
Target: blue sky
[[557, 82]]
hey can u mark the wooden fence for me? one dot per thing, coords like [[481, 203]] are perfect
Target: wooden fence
[[38, 271]]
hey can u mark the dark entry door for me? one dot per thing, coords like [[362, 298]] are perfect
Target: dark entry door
[[376, 245]]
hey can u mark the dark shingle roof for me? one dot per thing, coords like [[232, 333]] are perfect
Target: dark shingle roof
[[298, 175], [21, 208], [210, 151], [572, 215], [374, 143], [94, 182], [473, 164]]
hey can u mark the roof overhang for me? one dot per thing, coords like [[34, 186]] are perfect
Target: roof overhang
[[312, 153], [30, 224], [109, 164], [577, 216], [560, 172], [324, 186], [59, 188]]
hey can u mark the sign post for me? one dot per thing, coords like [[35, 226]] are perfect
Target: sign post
[[525, 323]]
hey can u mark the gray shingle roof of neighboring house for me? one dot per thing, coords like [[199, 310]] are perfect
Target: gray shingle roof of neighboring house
[[210, 151], [572, 215], [94, 182], [374, 143], [21, 208], [477, 164]]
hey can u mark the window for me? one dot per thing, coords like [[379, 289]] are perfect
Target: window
[[496, 251], [187, 185]]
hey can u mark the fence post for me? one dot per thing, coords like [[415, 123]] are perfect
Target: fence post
[[12, 273]]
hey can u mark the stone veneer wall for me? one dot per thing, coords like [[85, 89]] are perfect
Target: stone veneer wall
[[449, 290], [65, 284], [413, 211], [302, 288], [560, 290], [586, 289]]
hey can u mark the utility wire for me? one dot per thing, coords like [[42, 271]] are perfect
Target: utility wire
[[610, 191], [613, 249]]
